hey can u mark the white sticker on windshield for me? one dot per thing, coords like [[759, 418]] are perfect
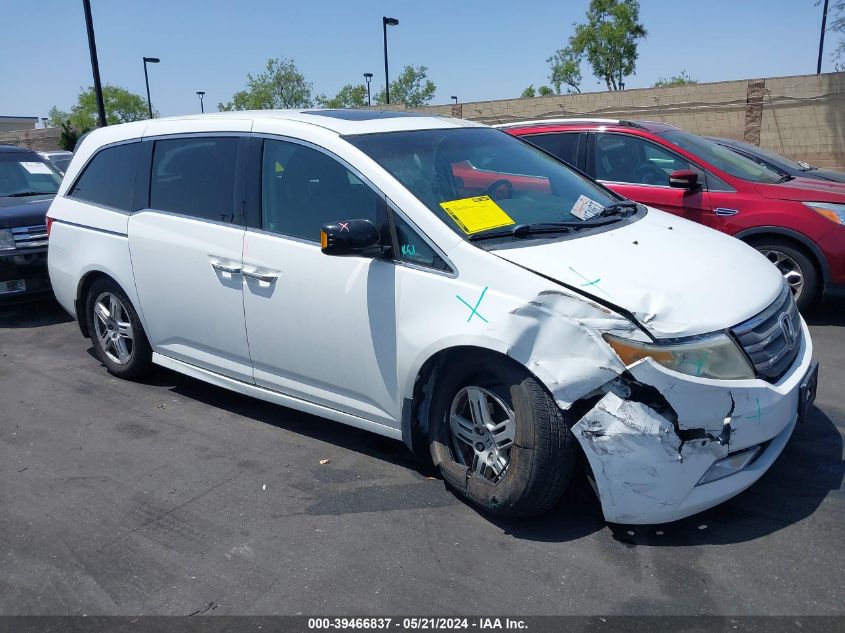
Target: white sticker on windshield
[[34, 167], [584, 208]]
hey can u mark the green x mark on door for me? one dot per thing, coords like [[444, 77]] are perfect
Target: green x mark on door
[[474, 310]]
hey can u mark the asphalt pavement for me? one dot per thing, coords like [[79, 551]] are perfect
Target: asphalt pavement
[[175, 497]]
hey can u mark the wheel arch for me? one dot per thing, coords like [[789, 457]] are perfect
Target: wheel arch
[[82, 288], [802, 241]]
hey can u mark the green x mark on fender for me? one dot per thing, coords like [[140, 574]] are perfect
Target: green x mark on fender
[[474, 310]]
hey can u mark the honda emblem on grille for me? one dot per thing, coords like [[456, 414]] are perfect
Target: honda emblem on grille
[[788, 330]]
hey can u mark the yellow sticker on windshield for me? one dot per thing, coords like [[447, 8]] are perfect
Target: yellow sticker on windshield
[[477, 214]]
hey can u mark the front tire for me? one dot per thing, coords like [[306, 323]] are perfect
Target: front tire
[[498, 437], [797, 269], [116, 331]]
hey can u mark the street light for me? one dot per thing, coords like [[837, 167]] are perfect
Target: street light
[[455, 98], [821, 38], [385, 22], [368, 77], [95, 66], [149, 60], [201, 94]]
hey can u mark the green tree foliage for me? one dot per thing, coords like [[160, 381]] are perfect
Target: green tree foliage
[[412, 87], [565, 67], [681, 79], [542, 91], [836, 24], [350, 96], [545, 91], [122, 106], [608, 40], [529, 92], [281, 85]]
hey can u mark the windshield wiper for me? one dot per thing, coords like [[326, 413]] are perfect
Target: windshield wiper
[[785, 178], [523, 230], [624, 209], [23, 194]]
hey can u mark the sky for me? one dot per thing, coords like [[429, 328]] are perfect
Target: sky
[[477, 50]]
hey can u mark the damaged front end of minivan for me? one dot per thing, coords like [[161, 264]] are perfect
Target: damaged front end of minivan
[[662, 440]]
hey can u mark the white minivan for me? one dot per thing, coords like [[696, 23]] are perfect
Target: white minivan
[[443, 283]]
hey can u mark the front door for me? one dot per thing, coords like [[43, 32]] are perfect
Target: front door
[[186, 250], [320, 328], [639, 169]]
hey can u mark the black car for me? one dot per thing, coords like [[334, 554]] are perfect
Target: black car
[[780, 164], [28, 184]]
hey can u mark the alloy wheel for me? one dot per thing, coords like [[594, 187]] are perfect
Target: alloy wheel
[[113, 328], [483, 429], [789, 268]]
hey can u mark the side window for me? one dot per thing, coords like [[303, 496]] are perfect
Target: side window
[[109, 177], [621, 158], [413, 248], [195, 176], [561, 144], [302, 189]]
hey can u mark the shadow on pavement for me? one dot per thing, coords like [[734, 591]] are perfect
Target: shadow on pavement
[[831, 312], [32, 313]]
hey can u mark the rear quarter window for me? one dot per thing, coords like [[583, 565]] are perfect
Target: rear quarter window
[[109, 178]]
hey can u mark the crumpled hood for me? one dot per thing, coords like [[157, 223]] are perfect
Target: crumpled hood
[[804, 189], [678, 278], [23, 212]]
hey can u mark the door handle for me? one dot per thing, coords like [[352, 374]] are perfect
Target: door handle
[[225, 268], [266, 276]]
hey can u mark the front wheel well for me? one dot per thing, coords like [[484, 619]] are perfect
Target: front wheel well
[[778, 238], [416, 418]]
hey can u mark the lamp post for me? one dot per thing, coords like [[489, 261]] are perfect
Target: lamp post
[[201, 94], [455, 98], [95, 66], [385, 22], [149, 60], [821, 38], [368, 77]]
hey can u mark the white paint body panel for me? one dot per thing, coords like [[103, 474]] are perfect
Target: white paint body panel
[[346, 338]]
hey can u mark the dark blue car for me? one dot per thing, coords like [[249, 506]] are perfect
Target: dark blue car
[[28, 184]]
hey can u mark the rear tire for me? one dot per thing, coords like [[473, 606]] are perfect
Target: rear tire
[[796, 267], [528, 429], [116, 331]]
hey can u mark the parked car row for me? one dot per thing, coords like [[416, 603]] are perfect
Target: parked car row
[[795, 221], [443, 283]]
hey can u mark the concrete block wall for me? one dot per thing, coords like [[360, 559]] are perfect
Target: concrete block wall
[[40, 140], [802, 117]]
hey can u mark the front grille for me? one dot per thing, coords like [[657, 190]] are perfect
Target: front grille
[[30, 236], [772, 338]]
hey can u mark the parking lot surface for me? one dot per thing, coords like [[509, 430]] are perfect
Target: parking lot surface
[[175, 497]]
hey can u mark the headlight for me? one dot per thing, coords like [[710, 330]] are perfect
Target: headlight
[[714, 356], [833, 212], [7, 240]]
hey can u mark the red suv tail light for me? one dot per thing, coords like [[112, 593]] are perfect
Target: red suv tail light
[[49, 226]]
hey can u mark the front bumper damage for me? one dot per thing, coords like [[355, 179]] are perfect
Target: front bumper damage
[[650, 434]]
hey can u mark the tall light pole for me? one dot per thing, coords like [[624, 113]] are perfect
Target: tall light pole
[[95, 66], [368, 77], [149, 60], [821, 39], [201, 94], [385, 22]]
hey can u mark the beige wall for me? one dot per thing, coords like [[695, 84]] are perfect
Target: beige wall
[[41, 140], [802, 117]]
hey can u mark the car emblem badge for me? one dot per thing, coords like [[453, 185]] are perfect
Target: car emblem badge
[[788, 330]]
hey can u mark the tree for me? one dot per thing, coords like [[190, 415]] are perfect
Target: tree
[[122, 106], [565, 65], [529, 92], [412, 87], [609, 39], [837, 25], [542, 91], [681, 79], [545, 91], [350, 96], [281, 85]]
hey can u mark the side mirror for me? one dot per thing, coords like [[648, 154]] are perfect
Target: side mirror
[[683, 179], [352, 237]]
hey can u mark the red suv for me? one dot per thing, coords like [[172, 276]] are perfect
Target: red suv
[[799, 224]]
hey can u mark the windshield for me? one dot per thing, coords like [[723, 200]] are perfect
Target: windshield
[[480, 179], [722, 158], [772, 157], [23, 175]]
